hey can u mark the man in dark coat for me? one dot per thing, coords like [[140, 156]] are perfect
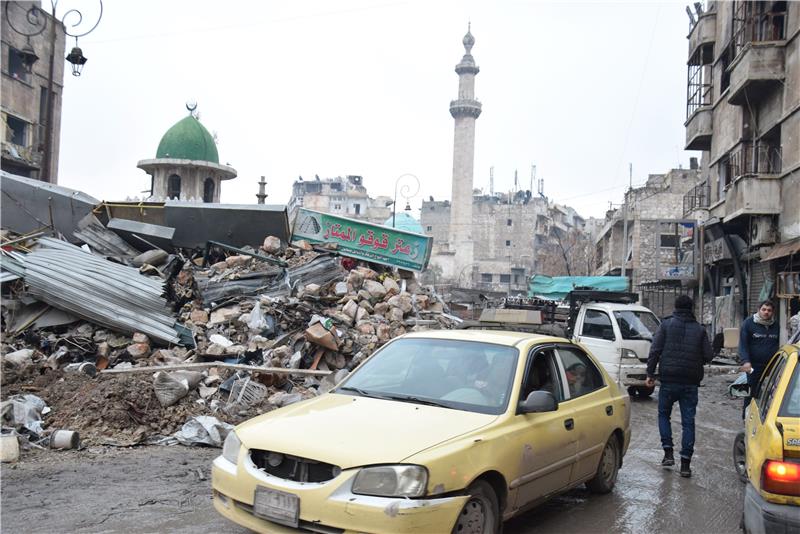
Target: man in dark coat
[[679, 349], [758, 341]]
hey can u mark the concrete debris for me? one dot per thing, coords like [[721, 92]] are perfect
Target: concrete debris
[[237, 336]]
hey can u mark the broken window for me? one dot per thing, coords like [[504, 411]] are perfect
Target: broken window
[[208, 190], [174, 186], [16, 67], [16, 131]]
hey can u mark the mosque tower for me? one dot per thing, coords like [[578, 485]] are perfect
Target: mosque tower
[[465, 110]]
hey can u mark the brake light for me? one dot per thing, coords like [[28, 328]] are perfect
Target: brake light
[[782, 478]]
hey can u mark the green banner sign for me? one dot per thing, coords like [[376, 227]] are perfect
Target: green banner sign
[[363, 240]]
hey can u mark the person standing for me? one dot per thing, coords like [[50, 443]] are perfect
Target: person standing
[[679, 350], [758, 341]]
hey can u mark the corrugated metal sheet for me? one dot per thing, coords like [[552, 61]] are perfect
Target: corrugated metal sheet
[[6, 276], [95, 289], [103, 241]]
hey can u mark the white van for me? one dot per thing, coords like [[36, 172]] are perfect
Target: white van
[[619, 336]]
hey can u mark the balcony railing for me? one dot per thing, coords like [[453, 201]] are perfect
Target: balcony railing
[[752, 25], [767, 158], [698, 197]]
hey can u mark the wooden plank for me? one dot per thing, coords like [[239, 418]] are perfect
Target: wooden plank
[[205, 365]]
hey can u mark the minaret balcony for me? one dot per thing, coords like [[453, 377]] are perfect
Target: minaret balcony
[[465, 107]]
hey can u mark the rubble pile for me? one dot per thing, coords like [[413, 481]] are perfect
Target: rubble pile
[[257, 329]]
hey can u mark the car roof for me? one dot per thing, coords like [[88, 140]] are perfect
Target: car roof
[[497, 337], [615, 306]]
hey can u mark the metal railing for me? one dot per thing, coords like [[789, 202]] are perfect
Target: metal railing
[[767, 157], [698, 197], [750, 24]]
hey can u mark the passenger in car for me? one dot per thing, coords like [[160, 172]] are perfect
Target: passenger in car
[[576, 379]]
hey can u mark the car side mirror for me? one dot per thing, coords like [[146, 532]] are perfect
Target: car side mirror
[[538, 401]]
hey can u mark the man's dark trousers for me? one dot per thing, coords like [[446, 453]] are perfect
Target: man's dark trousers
[[686, 396]]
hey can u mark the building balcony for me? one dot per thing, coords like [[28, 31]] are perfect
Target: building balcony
[[757, 68], [698, 130], [704, 32], [753, 194]]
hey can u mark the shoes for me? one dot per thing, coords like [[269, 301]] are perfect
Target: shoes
[[669, 459], [686, 472]]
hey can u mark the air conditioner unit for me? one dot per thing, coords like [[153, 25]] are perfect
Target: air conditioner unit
[[762, 231]]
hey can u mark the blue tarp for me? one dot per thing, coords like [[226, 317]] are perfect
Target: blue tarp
[[557, 287]]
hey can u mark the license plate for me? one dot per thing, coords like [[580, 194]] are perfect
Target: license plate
[[277, 506]]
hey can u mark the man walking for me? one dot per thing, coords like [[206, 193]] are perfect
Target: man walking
[[758, 341], [679, 349]]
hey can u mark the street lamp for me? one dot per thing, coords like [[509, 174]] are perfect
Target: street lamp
[[404, 192], [35, 23]]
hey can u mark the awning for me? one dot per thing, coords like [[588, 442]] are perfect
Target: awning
[[783, 249]]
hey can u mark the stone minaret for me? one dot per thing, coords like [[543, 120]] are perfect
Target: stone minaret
[[464, 111]]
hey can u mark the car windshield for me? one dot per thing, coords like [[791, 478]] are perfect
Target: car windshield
[[461, 375], [637, 324]]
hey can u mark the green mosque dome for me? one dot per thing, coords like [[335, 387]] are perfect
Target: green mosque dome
[[188, 139]]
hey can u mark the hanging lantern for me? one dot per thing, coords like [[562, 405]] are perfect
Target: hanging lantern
[[77, 59]]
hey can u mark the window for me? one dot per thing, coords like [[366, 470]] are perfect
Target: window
[[174, 186], [43, 106], [208, 190], [508, 242], [16, 131], [337, 206], [725, 77], [791, 399], [637, 324], [508, 222], [582, 374], [768, 385], [669, 241], [16, 68], [429, 228], [505, 278], [357, 209], [486, 277], [598, 324], [700, 90], [542, 376]]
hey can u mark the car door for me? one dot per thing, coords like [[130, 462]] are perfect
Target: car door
[[590, 400], [758, 437], [545, 441], [597, 334]]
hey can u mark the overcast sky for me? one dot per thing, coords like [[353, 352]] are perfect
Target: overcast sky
[[362, 87]]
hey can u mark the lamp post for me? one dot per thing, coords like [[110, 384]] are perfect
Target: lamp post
[[404, 192], [35, 23]]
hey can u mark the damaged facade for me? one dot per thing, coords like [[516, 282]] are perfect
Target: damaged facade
[[661, 248], [514, 236], [346, 196], [743, 113], [25, 93]]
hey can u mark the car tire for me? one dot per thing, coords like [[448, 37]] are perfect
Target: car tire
[[740, 456], [606, 476], [481, 513]]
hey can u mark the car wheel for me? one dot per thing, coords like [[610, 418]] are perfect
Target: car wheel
[[481, 513], [606, 476], [740, 456]]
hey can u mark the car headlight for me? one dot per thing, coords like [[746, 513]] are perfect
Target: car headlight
[[230, 449], [392, 481]]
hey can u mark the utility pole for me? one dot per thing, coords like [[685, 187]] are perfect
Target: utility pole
[[625, 221]]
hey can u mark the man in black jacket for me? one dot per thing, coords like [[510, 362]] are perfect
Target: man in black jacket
[[679, 349]]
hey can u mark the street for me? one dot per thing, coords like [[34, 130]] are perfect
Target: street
[[166, 489]]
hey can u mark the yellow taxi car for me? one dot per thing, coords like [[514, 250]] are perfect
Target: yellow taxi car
[[772, 444], [441, 431]]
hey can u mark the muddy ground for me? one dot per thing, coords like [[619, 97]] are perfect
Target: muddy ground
[[167, 489]]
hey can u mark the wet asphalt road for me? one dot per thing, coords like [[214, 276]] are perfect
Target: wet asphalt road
[[166, 489]]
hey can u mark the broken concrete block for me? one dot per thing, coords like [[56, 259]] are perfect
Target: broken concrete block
[[138, 337], [381, 308], [312, 289], [367, 273], [350, 309], [343, 318], [271, 244], [436, 307], [375, 289], [318, 335], [20, 358], [199, 316], [361, 313], [367, 306], [220, 266], [383, 332], [139, 350], [365, 328], [303, 245], [335, 360], [215, 350], [363, 294], [391, 286], [341, 289], [401, 301], [235, 349], [224, 315], [151, 257], [237, 261], [395, 314], [355, 280]]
